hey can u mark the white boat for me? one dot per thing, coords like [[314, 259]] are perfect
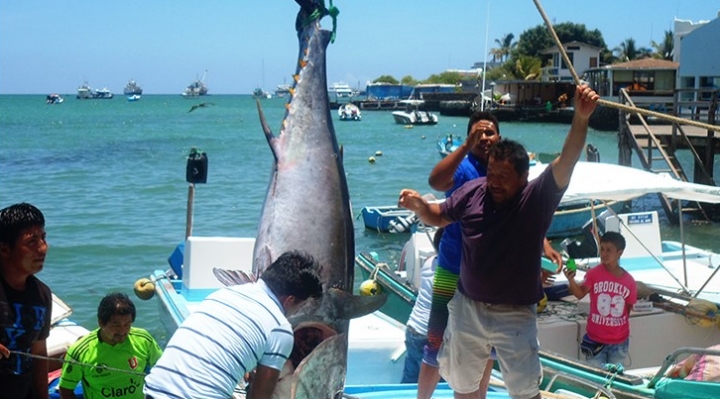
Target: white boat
[[133, 97], [132, 88], [349, 112], [412, 115], [282, 90], [85, 92], [340, 92], [63, 332], [376, 341], [196, 88], [663, 325], [54, 99], [259, 92]]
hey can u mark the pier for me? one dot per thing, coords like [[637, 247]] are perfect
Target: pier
[[656, 141]]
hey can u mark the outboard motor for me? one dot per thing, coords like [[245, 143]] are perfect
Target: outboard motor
[[586, 247]]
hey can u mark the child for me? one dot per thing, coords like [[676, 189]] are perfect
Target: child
[[612, 293]]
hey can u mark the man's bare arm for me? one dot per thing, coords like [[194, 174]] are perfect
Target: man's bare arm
[[429, 213]]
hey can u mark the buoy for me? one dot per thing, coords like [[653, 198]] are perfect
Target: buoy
[[144, 289], [422, 137], [371, 159], [542, 304], [378, 153], [369, 288], [408, 126]]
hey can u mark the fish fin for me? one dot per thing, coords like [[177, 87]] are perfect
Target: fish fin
[[322, 373], [266, 129], [354, 306], [233, 277]]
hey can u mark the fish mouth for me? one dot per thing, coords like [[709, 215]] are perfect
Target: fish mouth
[[307, 337]]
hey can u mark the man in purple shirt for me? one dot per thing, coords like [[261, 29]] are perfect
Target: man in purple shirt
[[504, 220]]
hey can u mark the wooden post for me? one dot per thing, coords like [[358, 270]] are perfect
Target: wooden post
[[189, 216]]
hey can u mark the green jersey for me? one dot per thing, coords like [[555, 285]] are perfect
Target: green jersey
[[136, 355]]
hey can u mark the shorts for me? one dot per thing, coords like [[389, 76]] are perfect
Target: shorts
[[609, 354], [474, 328]]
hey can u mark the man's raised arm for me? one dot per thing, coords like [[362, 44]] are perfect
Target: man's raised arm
[[562, 166]]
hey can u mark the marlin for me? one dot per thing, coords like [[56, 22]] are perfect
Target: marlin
[[307, 208]]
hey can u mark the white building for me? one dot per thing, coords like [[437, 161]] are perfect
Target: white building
[[700, 58], [582, 56]]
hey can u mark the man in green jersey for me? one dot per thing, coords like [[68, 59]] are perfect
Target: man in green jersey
[[112, 360]]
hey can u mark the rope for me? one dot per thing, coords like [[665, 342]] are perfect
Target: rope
[[612, 104], [319, 12], [378, 266], [76, 363]]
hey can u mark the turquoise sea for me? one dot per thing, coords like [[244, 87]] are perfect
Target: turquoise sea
[[109, 176]]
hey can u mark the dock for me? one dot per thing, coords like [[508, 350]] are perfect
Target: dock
[[655, 141]]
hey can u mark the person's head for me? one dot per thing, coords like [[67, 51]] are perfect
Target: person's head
[[116, 313], [612, 245], [508, 166], [293, 278], [487, 125], [22, 239]]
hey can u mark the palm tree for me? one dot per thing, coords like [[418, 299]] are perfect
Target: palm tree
[[627, 50], [665, 49], [506, 45], [497, 54]]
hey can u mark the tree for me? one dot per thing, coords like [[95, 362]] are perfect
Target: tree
[[445, 78], [665, 49], [528, 68], [536, 39], [408, 80], [506, 45], [386, 79], [627, 50]]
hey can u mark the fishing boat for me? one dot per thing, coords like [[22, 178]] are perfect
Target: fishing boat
[[53, 99], [259, 93], [63, 332], [282, 90], [85, 92], [349, 112], [569, 219], [196, 88], [132, 88], [671, 305], [376, 341], [412, 115], [447, 144]]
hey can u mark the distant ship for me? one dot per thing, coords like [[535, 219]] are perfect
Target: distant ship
[[132, 88], [85, 92], [196, 88], [261, 93], [282, 90]]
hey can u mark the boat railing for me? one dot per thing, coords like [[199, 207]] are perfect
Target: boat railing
[[672, 359], [579, 382]]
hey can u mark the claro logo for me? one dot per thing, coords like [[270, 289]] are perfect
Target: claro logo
[[114, 392]]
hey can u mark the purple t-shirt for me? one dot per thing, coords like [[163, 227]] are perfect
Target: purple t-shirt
[[501, 247]]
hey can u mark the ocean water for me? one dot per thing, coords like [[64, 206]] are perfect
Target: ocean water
[[109, 175]]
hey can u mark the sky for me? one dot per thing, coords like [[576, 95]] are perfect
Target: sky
[[55, 46]]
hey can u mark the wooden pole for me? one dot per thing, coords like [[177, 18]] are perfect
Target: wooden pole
[[189, 216], [611, 104]]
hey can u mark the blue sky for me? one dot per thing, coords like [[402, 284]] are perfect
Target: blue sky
[[53, 46]]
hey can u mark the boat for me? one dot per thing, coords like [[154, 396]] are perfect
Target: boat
[[54, 99], [196, 88], [133, 97], [85, 92], [339, 92], [376, 341], [412, 115], [132, 88], [349, 112], [261, 93], [385, 219], [282, 90], [670, 307], [63, 332], [449, 143], [569, 220]]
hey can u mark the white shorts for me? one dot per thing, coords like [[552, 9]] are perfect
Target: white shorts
[[473, 329]]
